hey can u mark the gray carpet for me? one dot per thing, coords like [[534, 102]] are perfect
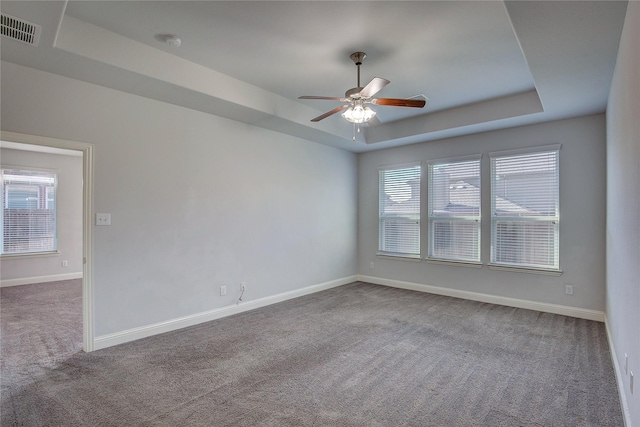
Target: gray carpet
[[357, 355]]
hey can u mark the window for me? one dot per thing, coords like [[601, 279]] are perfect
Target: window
[[29, 211], [454, 210], [399, 211], [525, 209]]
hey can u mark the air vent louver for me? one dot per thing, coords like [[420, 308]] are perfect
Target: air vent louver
[[20, 30]]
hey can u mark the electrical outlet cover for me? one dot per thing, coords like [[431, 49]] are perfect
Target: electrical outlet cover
[[103, 219]]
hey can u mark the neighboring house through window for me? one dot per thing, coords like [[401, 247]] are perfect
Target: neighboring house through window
[[399, 211], [29, 211], [454, 210], [525, 208]]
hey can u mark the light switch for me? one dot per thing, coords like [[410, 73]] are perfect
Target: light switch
[[103, 219]]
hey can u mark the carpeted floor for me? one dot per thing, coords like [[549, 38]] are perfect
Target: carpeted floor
[[357, 355]]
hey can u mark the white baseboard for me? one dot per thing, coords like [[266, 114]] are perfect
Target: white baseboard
[[626, 414], [580, 313], [122, 337], [39, 279]]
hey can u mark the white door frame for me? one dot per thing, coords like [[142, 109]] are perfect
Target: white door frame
[[87, 220]]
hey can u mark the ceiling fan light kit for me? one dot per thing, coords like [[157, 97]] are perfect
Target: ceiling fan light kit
[[355, 110], [358, 113]]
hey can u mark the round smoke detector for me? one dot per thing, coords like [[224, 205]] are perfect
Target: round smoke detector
[[172, 40]]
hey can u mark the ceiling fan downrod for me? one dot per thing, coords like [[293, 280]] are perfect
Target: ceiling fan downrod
[[357, 58]]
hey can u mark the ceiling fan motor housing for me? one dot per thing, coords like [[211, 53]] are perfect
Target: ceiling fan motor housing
[[354, 92]]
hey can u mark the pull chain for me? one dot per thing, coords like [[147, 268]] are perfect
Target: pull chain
[[356, 128]]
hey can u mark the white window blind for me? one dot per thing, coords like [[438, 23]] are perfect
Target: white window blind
[[454, 210], [525, 209], [399, 211], [29, 211]]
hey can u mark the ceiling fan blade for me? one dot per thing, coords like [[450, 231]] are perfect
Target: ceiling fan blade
[[330, 113], [374, 86], [393, 102], [328, 98]]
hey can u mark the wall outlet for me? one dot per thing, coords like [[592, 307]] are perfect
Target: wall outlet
[[568, 289], [372, 265], [103, 219], [65, 263], [223, 290]]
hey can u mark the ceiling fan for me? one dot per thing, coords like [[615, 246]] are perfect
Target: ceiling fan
[[356, 109]]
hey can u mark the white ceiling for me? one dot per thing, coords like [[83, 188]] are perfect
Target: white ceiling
[[483, 65]]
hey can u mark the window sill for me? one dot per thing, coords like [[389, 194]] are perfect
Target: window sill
[[454, 263], [30, 255], [411, 258], [529, 270]]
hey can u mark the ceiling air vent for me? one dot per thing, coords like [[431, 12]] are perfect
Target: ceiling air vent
[[20, 30]]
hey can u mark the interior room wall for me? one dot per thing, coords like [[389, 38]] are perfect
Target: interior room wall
[[623, 212], [196, 201], [30, 269], [582, 215]]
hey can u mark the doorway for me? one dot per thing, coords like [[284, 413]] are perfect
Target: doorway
[[53, 145]]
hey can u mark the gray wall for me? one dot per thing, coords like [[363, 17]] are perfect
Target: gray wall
[[623, 209], [197, 201], [582, 213], [69, 201]]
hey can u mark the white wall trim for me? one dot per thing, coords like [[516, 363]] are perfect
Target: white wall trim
[[122, 337], [581, 313], [40, 279], [626, 414], [133, 334]]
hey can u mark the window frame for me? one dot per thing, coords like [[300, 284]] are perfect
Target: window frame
[[417, 217], [46, 192], [432, 218], [532, 219]]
